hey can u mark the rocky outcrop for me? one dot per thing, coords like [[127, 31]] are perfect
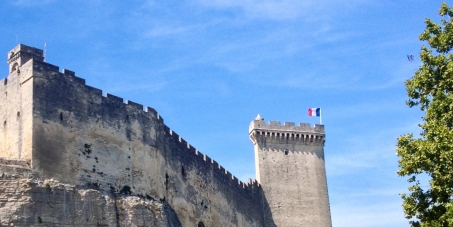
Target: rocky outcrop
[[27, 201]]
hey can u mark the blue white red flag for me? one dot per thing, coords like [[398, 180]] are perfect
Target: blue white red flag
[[314, 112]]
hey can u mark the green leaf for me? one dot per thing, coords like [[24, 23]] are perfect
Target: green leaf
[[431, 89]]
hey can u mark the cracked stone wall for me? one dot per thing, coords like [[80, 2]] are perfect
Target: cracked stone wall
[[26, 201]]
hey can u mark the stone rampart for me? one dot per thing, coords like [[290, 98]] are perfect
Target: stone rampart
[[135, 108], [82, 137]]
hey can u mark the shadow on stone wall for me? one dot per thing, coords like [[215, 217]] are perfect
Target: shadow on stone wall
[[268, 220], [172, 217]]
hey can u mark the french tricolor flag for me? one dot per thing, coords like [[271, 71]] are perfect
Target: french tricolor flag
[[314, 112]]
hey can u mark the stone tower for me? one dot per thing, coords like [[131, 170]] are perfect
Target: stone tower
[[16, 106], [21, 54], [290, 167]]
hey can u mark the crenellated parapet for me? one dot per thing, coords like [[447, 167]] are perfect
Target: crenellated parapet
[[106, 103], [68, 75], [190, 152], [134, 125], [222, 174], [288, 132]]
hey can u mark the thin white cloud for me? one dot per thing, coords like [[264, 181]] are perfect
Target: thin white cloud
[[352, 161], [168, 30], [397, 78], [32, 2], [308, 79], [272, 9], [242, 54], [356, 81], [366, 214], [142, 87], [366, 109], [382, 192], [281, 9], [370, 152], [178, 28]]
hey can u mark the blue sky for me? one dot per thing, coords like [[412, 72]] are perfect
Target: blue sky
[[210, 66]]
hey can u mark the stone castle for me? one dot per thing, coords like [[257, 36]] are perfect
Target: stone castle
[[70, 156]]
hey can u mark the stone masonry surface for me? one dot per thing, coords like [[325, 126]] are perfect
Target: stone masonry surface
[[71, 156], [290, 168]]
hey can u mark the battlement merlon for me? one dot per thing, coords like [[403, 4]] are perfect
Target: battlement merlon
[[288, 127]]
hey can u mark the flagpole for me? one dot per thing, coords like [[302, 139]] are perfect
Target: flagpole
[[320, 116]]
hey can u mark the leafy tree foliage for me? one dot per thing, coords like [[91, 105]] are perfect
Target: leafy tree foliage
[[431, 154]]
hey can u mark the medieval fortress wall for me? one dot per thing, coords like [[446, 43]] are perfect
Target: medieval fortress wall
[[68, 131], [81, 137]]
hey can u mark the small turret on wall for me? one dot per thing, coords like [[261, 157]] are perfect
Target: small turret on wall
[[290, 167], [21, 54]]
